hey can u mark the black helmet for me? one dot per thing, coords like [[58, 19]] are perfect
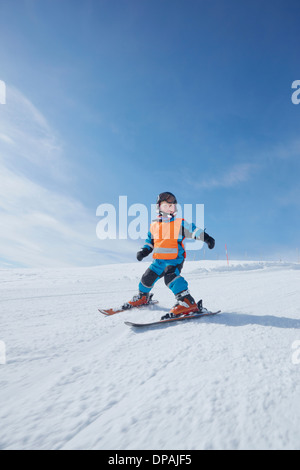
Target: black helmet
[[166, 196]]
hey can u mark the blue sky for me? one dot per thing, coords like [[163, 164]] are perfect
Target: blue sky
[[136, 97]]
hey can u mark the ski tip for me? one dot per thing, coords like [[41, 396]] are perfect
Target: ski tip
[[139, 325], [112, 311], [102, 311], [107, 313], [129, 323]]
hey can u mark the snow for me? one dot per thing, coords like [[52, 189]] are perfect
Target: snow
[[74, 379]]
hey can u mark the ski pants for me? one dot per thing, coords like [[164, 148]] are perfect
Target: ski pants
[[170, 272]]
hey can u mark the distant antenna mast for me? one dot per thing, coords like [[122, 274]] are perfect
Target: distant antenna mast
[[226, 254]]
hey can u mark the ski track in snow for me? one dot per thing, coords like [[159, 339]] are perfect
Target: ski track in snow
[[74, 379]]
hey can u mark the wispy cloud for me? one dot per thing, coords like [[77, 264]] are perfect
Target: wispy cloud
[[285, 150], [231, 177], [31, 142], [234, 176], [259, 160], [40, 225], [290, 197]]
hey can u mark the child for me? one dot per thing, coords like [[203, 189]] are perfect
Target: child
[[165, 239]]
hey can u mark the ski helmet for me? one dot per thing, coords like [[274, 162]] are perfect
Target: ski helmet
[[166, 196]]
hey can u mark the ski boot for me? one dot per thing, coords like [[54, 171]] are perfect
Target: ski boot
[[185, 304], [142, 298]]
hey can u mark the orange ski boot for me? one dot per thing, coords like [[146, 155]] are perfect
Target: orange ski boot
[[140, 299], [185, 304]]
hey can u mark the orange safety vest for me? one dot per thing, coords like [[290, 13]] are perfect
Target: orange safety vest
[[165, 236]]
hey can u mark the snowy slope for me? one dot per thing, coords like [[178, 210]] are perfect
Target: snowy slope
[[74, 379]]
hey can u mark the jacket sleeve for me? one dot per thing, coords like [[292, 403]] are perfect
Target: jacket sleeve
[[191, 231], [149, 242]]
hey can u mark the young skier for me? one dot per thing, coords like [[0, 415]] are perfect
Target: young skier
[[165, 240]]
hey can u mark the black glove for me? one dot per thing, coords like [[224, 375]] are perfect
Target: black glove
[[142, 254], [209, 241]]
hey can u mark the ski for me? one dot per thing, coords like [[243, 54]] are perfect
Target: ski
[[112, 311], [171, 320]]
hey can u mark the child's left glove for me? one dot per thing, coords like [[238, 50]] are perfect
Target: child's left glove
[[142, 254], [210, 241], [204, 237]]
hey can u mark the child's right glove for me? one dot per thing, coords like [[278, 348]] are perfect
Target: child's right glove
[[142, 254]]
